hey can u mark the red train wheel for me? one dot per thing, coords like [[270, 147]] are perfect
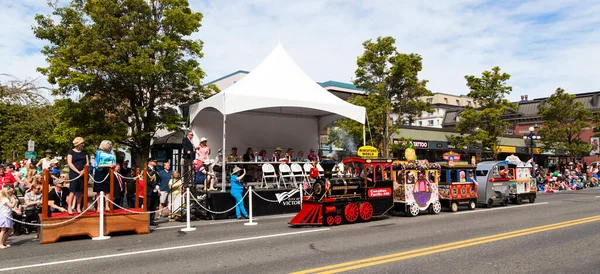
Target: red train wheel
[[338, 219], [330, 220], [351, 212], [366, 211]]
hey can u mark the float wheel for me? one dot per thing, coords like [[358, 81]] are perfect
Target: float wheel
[[472, 205], [519, 200], [338, 220], [437, 207], [366, 211], [531, 199], [351, 212], [454, 206], [413, 210], [490, 203], [330, 220]]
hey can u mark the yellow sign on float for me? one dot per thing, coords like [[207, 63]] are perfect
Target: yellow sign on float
[[367, 152]]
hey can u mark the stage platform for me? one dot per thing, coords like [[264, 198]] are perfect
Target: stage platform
[[88, 224], [221, 201]]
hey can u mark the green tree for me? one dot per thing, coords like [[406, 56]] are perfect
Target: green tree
[[391, 80], [130, 58], [483, 123], [21, 123], [563, 122]]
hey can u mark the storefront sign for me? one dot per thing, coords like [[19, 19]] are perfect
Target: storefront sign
[[454, 147], [506, 149], [420, 144], [367, 152], [380, 192]]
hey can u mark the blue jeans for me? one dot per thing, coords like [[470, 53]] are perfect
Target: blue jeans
[[240, 210]]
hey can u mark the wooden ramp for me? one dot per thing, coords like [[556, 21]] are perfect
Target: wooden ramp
[[118, 220]]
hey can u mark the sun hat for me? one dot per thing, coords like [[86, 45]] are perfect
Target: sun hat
[[277, 149], [48, 151], [236, 169], [203, 139], [77, 141]]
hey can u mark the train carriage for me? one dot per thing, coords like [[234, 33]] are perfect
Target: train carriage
[[458, 185], [416, 187]]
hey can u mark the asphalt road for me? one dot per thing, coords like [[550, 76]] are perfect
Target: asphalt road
[[560, 233]]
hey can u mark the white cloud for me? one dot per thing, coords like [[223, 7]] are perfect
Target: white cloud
[[542, 44]]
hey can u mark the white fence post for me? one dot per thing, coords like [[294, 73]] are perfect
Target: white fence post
[[301, 194], [187, 208], [250, 222], [101, 207]]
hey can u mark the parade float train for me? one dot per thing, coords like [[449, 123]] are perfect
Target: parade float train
[[332, 201]]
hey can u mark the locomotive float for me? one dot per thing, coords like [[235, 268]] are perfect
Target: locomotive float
[[332, 201]]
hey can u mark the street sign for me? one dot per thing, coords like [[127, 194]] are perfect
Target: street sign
[[30, 155], [30, 145]]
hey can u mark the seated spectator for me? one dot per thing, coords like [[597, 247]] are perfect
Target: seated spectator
[[262, 156], [234, 157], [202, 176], [277, 155], [254, 170], [312, 156], [57, 198], [33, 204], [300, 157], [289, 154], [6, 178]]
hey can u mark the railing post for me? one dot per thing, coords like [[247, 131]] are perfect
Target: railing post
[[250, 222], [187, 208], [101, 206]]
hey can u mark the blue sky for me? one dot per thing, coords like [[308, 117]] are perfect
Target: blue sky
[[542, 44]]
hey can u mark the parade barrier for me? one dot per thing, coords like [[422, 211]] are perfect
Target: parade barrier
[[270, 202], [99, 224], [95, 224]]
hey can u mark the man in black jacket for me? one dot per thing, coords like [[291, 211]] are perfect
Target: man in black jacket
[[188, 156], [152, 188]]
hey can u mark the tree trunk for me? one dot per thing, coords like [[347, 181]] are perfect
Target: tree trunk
[[386, 136]]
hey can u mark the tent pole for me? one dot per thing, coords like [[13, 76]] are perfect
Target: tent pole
[[318, 135], [224, 168], [364, 135]]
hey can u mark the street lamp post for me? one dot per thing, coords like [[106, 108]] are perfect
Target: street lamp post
[[531, 136]]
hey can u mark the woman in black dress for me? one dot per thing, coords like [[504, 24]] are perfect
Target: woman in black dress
[[77, 159]]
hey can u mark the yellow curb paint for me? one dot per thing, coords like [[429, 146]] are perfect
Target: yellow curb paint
[[442, 248]]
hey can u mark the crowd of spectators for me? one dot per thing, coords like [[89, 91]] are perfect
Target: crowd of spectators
[[573, 176]]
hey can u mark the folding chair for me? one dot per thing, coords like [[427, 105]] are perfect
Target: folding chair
[[298, 172], [286, 172], [268, 171]]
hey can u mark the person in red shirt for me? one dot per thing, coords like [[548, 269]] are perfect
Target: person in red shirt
[[6, 177]]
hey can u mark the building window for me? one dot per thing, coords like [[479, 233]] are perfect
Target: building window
[[446, 100], [430, 100], [458, 102], [420, 123], [430, 123], [468, 103]]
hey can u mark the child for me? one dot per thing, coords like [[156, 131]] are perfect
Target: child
[[6, 223]]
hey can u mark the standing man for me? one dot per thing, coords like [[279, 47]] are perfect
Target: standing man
[[45, 162], [152, 188], [188, 157], [164, 178]]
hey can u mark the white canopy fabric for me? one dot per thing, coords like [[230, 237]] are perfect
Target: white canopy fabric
[[275, 105], [278, 85]]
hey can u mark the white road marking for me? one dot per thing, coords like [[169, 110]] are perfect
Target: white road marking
[[195, 223], [498, 208], [597, 197], [161, 249]]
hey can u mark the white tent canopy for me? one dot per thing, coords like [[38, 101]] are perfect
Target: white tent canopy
[[275, 105]]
